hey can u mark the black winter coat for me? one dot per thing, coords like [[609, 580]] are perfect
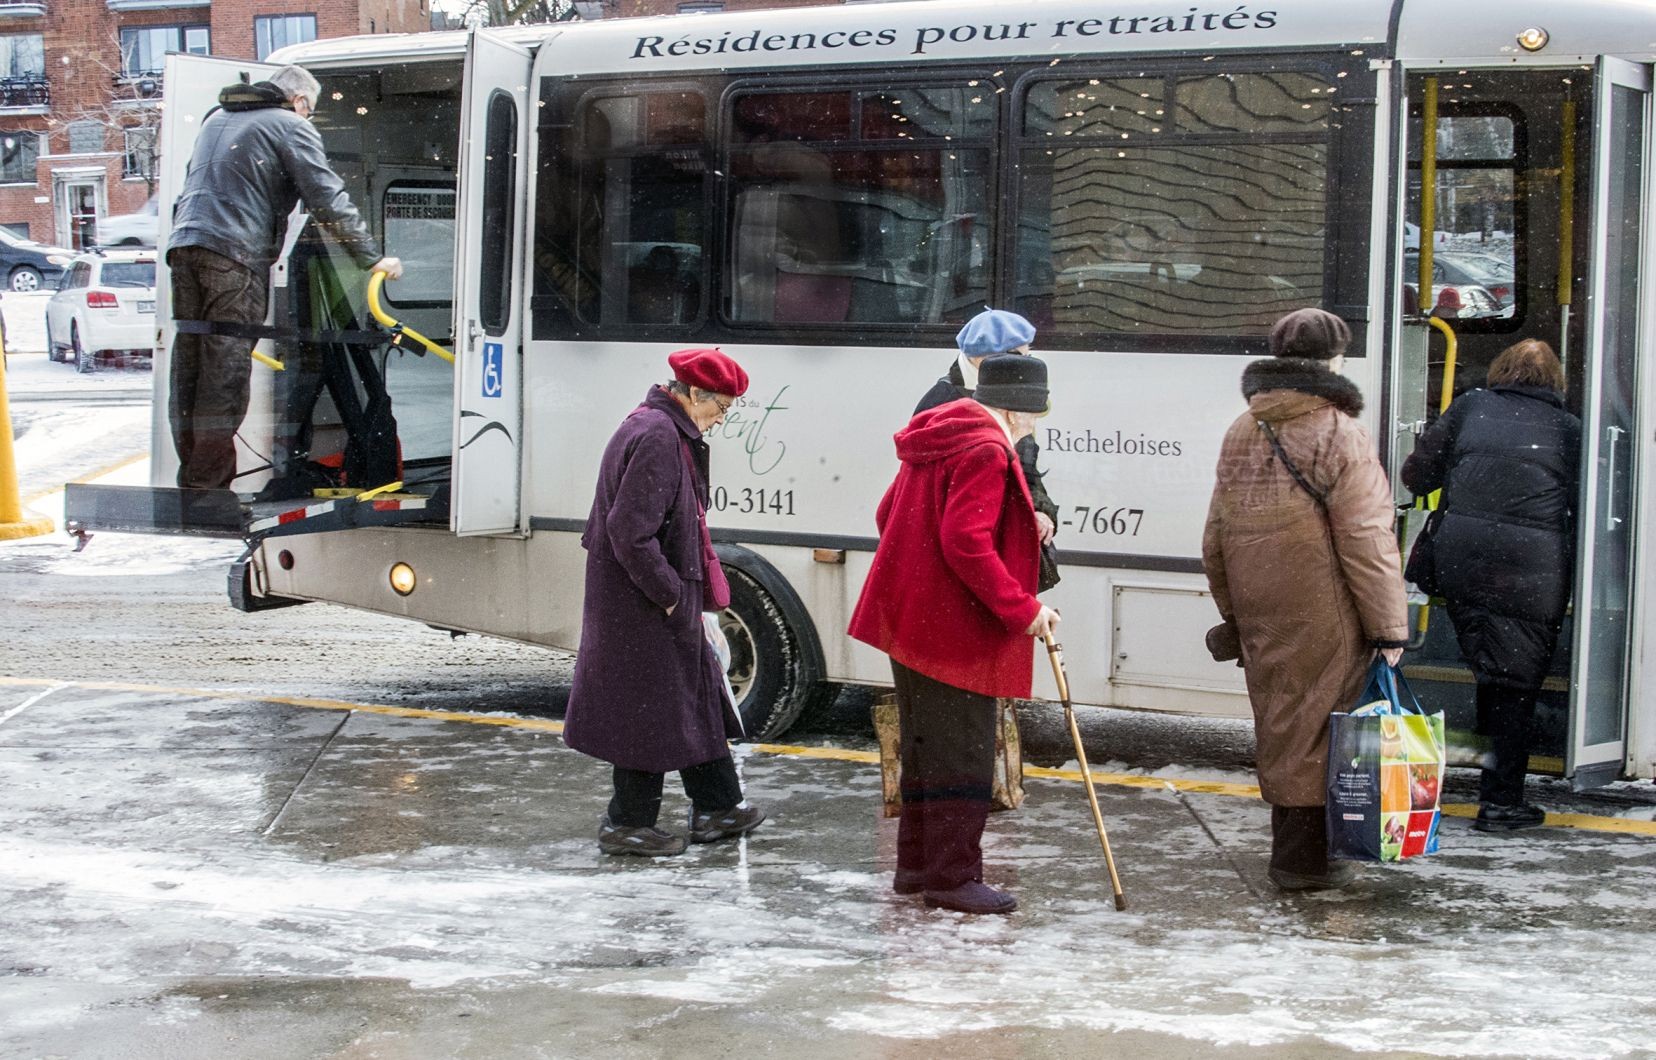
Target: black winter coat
[[952, 387], [1506, 460]]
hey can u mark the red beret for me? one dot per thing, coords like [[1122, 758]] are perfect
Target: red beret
[[708, 369]]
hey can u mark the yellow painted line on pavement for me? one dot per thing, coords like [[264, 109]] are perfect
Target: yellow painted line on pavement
[[1582, 821], [94, 476]]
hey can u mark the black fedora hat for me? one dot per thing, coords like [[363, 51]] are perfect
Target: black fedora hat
[[1012, 381]]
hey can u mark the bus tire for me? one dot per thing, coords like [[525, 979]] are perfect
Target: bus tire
[[775, 662]]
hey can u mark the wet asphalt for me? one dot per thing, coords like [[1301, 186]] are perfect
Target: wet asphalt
[[204, 852]]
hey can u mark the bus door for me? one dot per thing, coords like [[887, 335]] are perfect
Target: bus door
[[488, 426], [1524, 218], [1616, 319]]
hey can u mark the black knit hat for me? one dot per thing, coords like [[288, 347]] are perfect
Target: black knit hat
[[1315, 334], [1014, 382]]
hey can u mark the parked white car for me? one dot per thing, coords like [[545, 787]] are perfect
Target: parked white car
[[137, 229], [104, 304]]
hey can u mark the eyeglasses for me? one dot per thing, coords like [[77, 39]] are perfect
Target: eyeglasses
[[724, 406]]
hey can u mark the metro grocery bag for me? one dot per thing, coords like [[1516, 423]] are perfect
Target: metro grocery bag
[[1385, 770]]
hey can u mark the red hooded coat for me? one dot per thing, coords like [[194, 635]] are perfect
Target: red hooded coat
[[952, 588]]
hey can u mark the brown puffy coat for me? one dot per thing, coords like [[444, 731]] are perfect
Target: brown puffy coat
[[1312, 598]]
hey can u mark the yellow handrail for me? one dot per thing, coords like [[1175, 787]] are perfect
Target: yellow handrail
[[375, 282], [1428, 194], [1446, 391]]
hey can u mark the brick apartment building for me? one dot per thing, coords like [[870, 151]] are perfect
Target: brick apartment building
[[80, 84]]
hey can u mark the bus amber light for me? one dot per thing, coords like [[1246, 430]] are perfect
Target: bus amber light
[[1533, 39], [403, 580]]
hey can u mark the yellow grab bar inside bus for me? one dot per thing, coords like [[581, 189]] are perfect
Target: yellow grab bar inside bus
[[398, 329], [1428, 196], [1446, 395], [1446, 391]]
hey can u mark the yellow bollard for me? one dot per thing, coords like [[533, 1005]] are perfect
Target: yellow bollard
[[14, 522]]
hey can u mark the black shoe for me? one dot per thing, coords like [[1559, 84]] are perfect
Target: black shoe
[[972, 898], [1493, 817], [724, 824], [1339, 874], [642, 842]]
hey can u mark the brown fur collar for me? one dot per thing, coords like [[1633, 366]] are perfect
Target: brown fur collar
[[1303, 375]]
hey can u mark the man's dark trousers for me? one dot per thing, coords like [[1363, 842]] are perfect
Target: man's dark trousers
[[210, 372]]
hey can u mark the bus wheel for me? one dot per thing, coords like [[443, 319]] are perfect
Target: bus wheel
[[769, 673]]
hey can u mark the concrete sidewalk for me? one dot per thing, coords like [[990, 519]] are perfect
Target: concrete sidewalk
[[186, 876]]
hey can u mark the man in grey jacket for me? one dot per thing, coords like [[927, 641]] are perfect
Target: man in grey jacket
[[255, 159]]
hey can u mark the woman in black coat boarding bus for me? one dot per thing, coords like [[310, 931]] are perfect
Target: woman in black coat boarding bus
[[1503, 554], [648, 695]]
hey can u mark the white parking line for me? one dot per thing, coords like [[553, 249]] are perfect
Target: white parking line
[[31, 701]]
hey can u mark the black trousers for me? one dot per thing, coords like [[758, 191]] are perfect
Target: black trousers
[[712, 787], [209, 373], [1505, 715], [948, 756], [1299, 840]]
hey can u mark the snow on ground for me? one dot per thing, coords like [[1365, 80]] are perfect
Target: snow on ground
[[25, 316]]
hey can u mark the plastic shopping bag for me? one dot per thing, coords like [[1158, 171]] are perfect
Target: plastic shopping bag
[[1385, 773], [734, 728]]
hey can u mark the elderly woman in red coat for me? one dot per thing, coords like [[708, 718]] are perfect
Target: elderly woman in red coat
[[648, 691], [951, 598]]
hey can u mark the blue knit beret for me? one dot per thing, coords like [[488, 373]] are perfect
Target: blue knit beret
[[994, 331]]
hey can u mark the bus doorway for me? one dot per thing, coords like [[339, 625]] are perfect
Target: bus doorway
[[1524, 219]]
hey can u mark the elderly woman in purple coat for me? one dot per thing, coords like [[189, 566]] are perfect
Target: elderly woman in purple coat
[[649, 692]]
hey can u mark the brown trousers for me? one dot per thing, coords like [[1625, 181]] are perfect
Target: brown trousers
[[948, 752], [209, 375]]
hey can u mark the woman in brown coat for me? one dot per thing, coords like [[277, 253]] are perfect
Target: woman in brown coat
[[1307, 573]]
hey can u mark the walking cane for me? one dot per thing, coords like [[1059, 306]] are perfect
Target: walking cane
[[1056, 652]]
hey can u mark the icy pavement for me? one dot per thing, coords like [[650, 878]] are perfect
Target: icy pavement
[[204, 875]]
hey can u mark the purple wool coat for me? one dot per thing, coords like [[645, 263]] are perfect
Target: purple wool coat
[[648, 692]]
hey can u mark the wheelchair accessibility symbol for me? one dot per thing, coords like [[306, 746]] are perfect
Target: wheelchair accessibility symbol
[[494, 369]]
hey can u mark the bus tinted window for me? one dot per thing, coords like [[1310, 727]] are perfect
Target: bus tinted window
[[499, 185], [1209, 220], [832, 222], [639, 214]]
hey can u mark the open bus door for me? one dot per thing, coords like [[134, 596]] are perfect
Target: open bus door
[[1616, 324], [1542, 178], [488, 425]]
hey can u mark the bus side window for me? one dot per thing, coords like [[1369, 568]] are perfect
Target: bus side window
[[1172, 204], [859, 206], [639, 209]]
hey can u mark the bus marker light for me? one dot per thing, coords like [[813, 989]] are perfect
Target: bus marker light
[[403, 580], [828, 555], [1533, 39], [284, 559]]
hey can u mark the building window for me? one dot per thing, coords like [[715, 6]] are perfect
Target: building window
[[86, 137], [138, 153], [144, 50], [18, 151], [22, 56], [278, 31]]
